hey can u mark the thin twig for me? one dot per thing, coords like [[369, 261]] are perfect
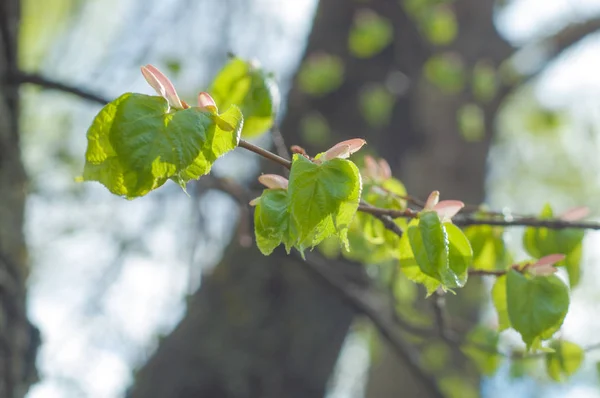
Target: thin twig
[[370, 307], [265, 154], [554, 223], [22, 77]]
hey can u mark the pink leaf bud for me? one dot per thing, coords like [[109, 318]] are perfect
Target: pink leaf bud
[[205, 101], [344, 149], [163, 86], [576, 213], [273, 181], [385, 172], [447, 209], [432, 200]]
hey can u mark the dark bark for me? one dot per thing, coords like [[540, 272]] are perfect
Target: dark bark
[[18, 338], [258, 327]]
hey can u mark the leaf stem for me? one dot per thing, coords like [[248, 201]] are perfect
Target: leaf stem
[[265, 154]]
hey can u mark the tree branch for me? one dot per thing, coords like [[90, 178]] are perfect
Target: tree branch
[[32, 78], [372, 304]]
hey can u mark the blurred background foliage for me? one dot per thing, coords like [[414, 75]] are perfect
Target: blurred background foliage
[[431, 84]]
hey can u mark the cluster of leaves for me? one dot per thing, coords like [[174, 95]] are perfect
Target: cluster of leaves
[[318, 202], [138, 142]]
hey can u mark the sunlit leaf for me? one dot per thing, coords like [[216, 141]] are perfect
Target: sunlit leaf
[[246, 85], [324, 197], [136, 143], [272, 221]]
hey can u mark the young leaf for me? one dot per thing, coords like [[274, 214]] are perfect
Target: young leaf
[[324, 198], [441, 250], [253, 90], [564, 361], [536, 305], [409, 265], [272, 224], [136, 143]]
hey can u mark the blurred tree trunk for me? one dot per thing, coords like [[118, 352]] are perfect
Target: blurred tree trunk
[[258, 327], [261, 327], [421, 140], [18, 338]]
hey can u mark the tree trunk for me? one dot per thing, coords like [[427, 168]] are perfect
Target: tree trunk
[[258, 327], [18, 338]]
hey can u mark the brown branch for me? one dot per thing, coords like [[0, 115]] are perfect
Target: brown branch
[[553, 46], [32, 78], [265, 154]]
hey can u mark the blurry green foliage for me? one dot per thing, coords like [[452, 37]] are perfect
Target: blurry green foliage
[[540, 242], [321, 74], [314, 129], [376, 105], [471, 122], [542, 121], [564, 361], [435, 356], [484, 82], [455, 386], [446, 71], [440, 26], [41, 23], [369, 34], [482, 347], [490, 252]]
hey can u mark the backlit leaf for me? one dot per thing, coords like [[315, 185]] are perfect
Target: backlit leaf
[[246, 85], [536, 305]]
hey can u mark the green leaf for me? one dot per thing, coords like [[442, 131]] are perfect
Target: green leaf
[[409, 266], [460, 253], [564, 361], [536, 305], [272, 221], [324, 198], [441, 250], [482, 347], [500, 302], [369, 34], [136, 143], [540, 242], [253, 90], [429, 243], [489, 251]]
